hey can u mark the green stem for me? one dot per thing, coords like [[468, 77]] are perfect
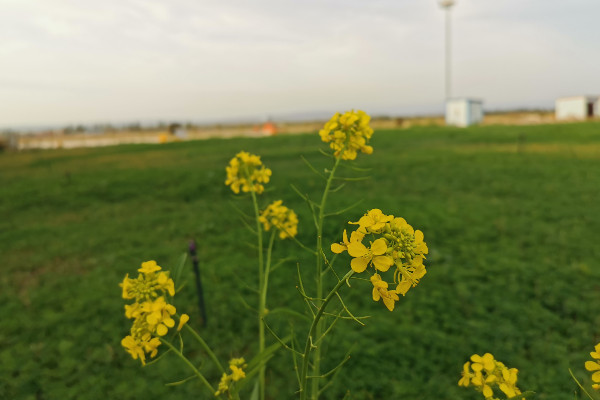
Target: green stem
[[579, 384], [205, 346], [312, 333], [185, 360], [317, 357], [264, 289], [261, 310]]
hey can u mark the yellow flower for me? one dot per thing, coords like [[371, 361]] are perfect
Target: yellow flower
[[380, 292], [466, 375], [223, 384], [158, 315], [484, 383], [134, 348], [247, 172], [149, 267], [151, 313], [182, 321], [237, 373], [347, 134], [594, 366], [148, 284], [395, 243], [282, 218], [485, 373], [355, 236], [373, 221], [486, 362], [236, 365], [375, 254]]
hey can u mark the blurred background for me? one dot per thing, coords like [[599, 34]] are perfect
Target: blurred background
[[102, 108]]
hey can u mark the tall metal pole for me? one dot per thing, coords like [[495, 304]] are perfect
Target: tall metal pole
[[447, 5], [448, 49]]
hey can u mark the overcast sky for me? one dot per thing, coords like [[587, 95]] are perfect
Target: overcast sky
[[83, 61]]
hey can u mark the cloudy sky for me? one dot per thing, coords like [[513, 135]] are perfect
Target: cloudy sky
[[80, 61]]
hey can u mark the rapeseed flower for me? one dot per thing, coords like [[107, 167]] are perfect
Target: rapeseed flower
[[363, 256], [282, 218], [373, 221], [485, 373], [594, 366], [380, 291], [355, 236], [247, 172], [347, 134], [151, 313], [392, 242], [237, 366]]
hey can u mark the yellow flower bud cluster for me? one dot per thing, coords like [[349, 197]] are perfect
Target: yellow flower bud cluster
[[151, 314], [237, 373], [485, 373], [247, 172], [393, 242], [282, 218], [594, 366], [347, 134]]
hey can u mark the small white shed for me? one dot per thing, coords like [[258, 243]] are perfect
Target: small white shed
[[463, 111], [577, 107]]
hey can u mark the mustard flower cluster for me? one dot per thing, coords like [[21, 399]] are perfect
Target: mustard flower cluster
[[485, 373], [594, 366], [247, 172], [236, 365], [282, 218], [392, 242], [347, 134], [152, 315]]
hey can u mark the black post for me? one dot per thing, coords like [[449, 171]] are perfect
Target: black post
[[199, 289]]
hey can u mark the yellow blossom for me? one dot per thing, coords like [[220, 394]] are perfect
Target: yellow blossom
[[347, 134], [237, 373], [373, 221], [282, 218], [355, 236], [466, 375], [375, 254], [151, 313], [485, 373], [182, 321], [380, 292], [393, 243], [149, 283], [247, 172], [594, 366]]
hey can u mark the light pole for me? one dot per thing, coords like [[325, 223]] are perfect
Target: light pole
[[447, 5]]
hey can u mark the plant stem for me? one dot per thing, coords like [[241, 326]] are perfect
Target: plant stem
[[312, 333], [205, 347], [189, 364], [264, 289], [261, 288], [317, 357]]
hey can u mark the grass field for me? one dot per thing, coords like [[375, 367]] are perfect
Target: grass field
[[511, 216]]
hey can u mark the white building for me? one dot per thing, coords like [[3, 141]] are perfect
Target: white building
[[577, 107], [464, 112]]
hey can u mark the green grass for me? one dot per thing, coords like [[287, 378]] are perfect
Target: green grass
[[511, 216]]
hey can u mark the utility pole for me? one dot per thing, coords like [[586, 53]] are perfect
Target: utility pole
[[447, 5]]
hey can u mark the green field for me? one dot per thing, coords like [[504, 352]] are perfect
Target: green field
[[511, 216]]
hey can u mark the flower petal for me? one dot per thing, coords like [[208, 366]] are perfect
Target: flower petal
[[592, 366], [359, 264], [338, 248], [379, 247], [357, 249], [383, 263]]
